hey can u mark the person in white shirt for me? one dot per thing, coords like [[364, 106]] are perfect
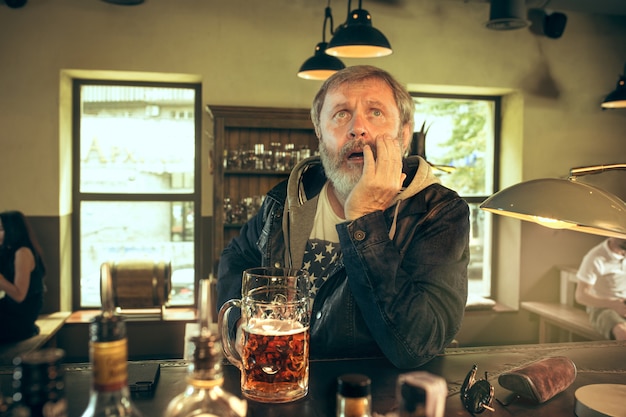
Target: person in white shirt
[[602, 287]]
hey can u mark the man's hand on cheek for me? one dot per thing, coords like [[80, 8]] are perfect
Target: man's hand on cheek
[[381, 180]]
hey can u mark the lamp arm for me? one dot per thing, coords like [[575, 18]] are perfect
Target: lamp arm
[[594, 169]]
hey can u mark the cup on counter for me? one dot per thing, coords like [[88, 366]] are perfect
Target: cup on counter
[[274, 354]]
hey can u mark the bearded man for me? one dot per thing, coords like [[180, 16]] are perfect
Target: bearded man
[[385, 244]]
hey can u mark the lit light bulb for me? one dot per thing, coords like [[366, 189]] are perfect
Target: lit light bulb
[[553, 223]]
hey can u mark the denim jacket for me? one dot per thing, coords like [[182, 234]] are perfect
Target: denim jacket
[[400, 287]]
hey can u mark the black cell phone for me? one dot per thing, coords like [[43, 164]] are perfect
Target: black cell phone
[[143, 376]]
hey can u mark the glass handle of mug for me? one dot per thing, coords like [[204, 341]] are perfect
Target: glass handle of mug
[[228, 344]]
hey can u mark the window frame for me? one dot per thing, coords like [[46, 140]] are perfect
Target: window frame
[[497, 138], [78, 197]]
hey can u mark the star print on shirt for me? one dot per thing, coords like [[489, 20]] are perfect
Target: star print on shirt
[[319, 258]]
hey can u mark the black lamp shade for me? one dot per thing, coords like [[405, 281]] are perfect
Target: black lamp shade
[[15, 4], [357, 38], [321, 65], [617, 98]]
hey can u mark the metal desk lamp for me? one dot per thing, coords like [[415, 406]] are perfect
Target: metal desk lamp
[[564, 203], [569, 204]]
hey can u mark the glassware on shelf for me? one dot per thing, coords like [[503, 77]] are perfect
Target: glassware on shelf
[[268, 160], [248, 159], [233, 160], [259, 156], [276, 149], [303, 153], [280, 161], [228, 210], [276, 157], [290, 157], [242, 211]]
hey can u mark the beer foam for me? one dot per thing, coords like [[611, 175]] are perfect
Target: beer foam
[[273, 327]]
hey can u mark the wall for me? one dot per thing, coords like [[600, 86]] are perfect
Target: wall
[[247, 53]]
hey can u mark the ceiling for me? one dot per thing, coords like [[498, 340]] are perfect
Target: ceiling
[[608, 7]]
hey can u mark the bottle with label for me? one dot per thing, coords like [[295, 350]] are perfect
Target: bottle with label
[[204, 395], [354, 398], [38, 382], [108, 354]]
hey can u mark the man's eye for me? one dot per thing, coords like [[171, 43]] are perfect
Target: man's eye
[[341, 114], [377, 113]]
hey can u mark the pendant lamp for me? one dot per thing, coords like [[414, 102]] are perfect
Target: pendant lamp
[[357, 38], [15, 4], [321, 65], [617, 98], [564, 203]]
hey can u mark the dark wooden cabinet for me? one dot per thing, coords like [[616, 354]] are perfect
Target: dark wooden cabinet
[[254, 149]]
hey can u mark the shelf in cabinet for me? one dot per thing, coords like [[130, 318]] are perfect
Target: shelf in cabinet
[[239, 128]]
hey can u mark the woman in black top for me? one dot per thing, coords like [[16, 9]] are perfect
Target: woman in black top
[[22, 272]]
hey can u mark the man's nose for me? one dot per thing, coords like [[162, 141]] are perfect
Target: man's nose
[[358, 127]]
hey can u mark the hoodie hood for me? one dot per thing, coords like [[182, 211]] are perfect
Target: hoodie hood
[[419, 176]]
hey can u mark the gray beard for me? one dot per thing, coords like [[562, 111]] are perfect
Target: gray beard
[[343, 178]]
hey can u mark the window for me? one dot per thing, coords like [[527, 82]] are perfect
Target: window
[[136, 181], [460, 136]]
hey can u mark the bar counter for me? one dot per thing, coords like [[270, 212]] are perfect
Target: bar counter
[[596, 362]]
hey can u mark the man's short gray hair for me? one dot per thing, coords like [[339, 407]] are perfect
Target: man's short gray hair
[[357, 73]]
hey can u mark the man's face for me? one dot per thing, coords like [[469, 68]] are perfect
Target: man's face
[[352, 116]]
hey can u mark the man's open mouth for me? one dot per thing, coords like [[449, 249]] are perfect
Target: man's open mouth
[[355, 155]]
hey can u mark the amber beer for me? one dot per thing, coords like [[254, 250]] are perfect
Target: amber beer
[[273, 356], [275, 360]]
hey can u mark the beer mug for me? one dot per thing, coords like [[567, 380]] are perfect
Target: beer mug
[[274, 359]]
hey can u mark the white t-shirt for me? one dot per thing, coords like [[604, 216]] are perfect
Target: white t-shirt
[[605, 270], [322, 248]]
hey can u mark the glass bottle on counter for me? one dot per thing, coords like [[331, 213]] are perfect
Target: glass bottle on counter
[[421, 394], [204, 395], [108, 353], [354, 398], [38, 382]]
